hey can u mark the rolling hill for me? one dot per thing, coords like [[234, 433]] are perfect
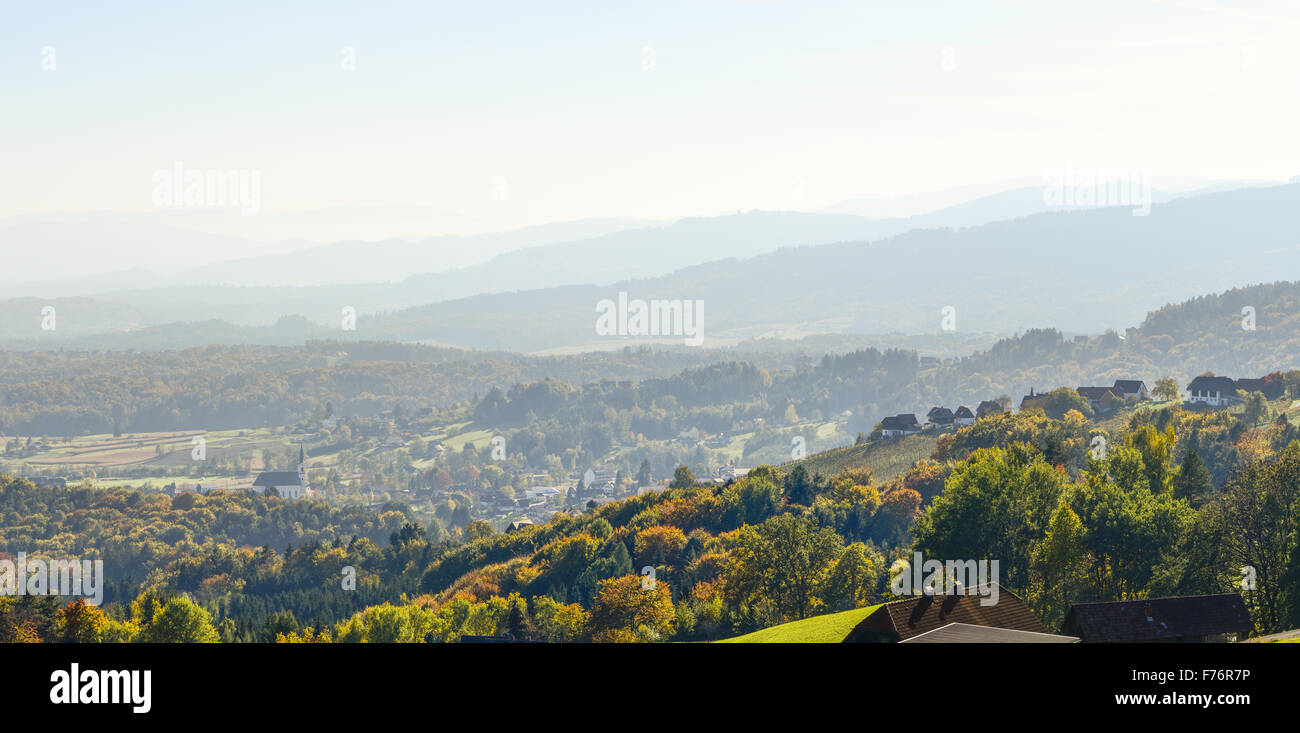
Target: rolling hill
[[830, 628]]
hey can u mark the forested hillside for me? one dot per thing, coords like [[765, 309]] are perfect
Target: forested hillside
[[58, 393], [1177, 505]]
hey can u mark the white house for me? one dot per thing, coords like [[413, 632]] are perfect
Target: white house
[[939, 416], [1212, 391], [899, 425], [963, 416], [1132, 389]]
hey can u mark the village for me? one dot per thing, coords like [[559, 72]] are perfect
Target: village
[[1206, 391]]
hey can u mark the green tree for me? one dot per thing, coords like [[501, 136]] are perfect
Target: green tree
[[799, 487], [1059, 567], [180, 621], [1193, 482], [782, 562], [279, 623], [852, 580], [1259, 512], [995, 505], [682, 478], [1063, 399], [1156, 449], [1255, 409]]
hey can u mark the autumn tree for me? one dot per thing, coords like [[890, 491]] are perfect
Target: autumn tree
[[1166, 388], [659, 545], [560, 622], [80, 623], [635, 606]]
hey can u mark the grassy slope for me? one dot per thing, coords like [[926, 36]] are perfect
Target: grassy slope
[[886, 458], [830, 628]]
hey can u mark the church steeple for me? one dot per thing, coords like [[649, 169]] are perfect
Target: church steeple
[[302, 467]]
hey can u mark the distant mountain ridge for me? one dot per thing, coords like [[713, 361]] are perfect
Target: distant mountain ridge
[[1080, 271], [597, 251]]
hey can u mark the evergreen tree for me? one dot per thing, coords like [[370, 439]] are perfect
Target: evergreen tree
[[1193, 482], [643, 474]]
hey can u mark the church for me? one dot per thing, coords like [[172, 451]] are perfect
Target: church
[[288, 484]]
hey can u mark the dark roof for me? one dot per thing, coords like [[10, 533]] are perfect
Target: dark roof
[[957, 633], [1031, 399], [1097, 393], [277, 478], [940, 414], [963, 411], [989, 407], [1272, 388], [910, 617], [899, 422], [1158, 618], [1129, 386], [502, 639], [1213, 384]]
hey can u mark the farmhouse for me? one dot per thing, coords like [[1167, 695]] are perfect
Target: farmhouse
[[1212, 391], [1031, 400], [939, 416], [902, 620], [989, 408], [898, 425], [963, 416], [289, 484], [1186, 619], [1271, 385], [1097, 396], [1132, 389]]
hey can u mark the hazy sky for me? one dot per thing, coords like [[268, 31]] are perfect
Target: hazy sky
[[503, 114]]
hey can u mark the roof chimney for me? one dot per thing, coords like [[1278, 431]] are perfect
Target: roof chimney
[[922, 605]]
